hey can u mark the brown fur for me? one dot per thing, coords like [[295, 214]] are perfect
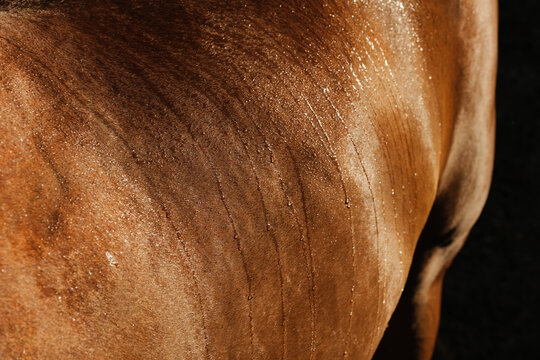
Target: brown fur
[[29, 4], [241, 179]]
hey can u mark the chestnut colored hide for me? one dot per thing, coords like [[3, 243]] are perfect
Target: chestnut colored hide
[[238, 179]]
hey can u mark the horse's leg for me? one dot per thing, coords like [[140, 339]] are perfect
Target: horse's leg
[[462, 191]]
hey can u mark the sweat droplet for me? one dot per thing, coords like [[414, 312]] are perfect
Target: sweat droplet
[[268, 227], [289, 203], [272, 159], [236, 235], [111, 258]]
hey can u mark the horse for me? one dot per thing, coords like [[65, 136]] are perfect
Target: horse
[[241, 179]]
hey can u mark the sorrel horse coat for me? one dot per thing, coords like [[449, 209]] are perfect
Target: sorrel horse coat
[[238, 179]]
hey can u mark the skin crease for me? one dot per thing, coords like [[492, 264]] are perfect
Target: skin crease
[[241, 179]]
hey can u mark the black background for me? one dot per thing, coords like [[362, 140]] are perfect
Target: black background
[[491, 292]]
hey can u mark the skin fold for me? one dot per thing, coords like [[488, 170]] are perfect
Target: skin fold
[[240, 179]]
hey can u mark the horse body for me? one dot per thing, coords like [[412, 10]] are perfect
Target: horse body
[[249, 180]]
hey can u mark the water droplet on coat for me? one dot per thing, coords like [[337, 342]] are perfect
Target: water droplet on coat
[[111, 258]]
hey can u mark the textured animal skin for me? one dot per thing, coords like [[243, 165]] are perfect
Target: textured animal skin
[[238, 179]]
